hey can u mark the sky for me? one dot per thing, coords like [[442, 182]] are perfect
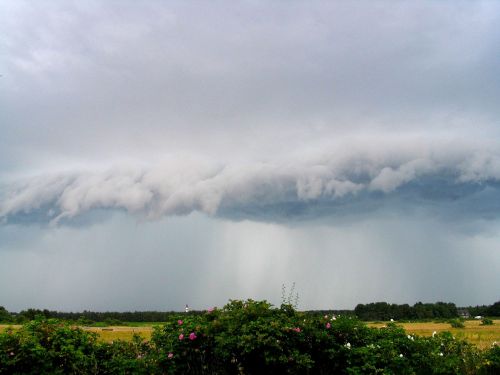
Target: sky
[[155, 154]]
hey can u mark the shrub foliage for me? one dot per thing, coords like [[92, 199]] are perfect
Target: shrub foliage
[[244, 337]]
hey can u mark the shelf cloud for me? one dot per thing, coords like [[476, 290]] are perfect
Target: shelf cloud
[[338, 182]]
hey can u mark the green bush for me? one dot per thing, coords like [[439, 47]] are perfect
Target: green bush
[[491, 362], [457, 323], [122, 357], [487, 322], [114, 322], [5, 316], [47, 346], [82, 321]]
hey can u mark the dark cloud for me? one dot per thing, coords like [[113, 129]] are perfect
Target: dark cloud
[[450, 181], [119, 264]]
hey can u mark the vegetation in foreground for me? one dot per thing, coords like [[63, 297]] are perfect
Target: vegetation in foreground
[[475, 332], [244, 337]]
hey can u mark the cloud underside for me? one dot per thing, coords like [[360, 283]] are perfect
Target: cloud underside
[[339, 183]]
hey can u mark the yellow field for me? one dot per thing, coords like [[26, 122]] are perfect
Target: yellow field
[[109, 334], [482, 336], [474, 332]]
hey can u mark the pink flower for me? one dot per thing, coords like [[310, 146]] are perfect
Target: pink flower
[[179, 322], [211, 309], [192, 336], [181, 336], [297, 329], [170, 355], [328, 325]]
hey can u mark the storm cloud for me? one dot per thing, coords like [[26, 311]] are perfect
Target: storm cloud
[[336, 182]]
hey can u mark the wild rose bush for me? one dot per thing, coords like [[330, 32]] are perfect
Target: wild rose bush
[[244, 337], [48, 346], [254, 338]]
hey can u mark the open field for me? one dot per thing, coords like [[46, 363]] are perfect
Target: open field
[[121, 333], [111, 333], [474, 332]]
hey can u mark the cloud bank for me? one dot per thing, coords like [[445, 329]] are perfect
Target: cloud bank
[[343, 180], [83, 82]]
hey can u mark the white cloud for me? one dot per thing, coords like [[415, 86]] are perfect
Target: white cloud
[[181, 186]]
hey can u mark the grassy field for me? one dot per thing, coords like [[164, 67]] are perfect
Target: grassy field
[[482, 336], [111, 333], [474, 332], [122, 333]]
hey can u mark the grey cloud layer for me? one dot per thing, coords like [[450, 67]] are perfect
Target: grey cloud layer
[[204, 262], [332, 182], [114, 78]]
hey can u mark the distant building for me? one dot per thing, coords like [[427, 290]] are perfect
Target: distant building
[[463, 313]]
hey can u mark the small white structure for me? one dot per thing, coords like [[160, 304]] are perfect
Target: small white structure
[[478, 317], [187, 308]]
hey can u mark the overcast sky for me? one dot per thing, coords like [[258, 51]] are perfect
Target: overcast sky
[[155, 154]]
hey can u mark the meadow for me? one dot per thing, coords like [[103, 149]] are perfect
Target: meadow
[[480, 335], [475, 333]]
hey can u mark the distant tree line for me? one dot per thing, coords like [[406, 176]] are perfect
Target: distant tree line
[[89, 317], [386, 311], [419, 311], [484, 310], [319, 313], [371, 311]]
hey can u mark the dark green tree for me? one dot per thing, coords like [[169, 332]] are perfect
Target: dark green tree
[[494, 310], [5, 316]]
